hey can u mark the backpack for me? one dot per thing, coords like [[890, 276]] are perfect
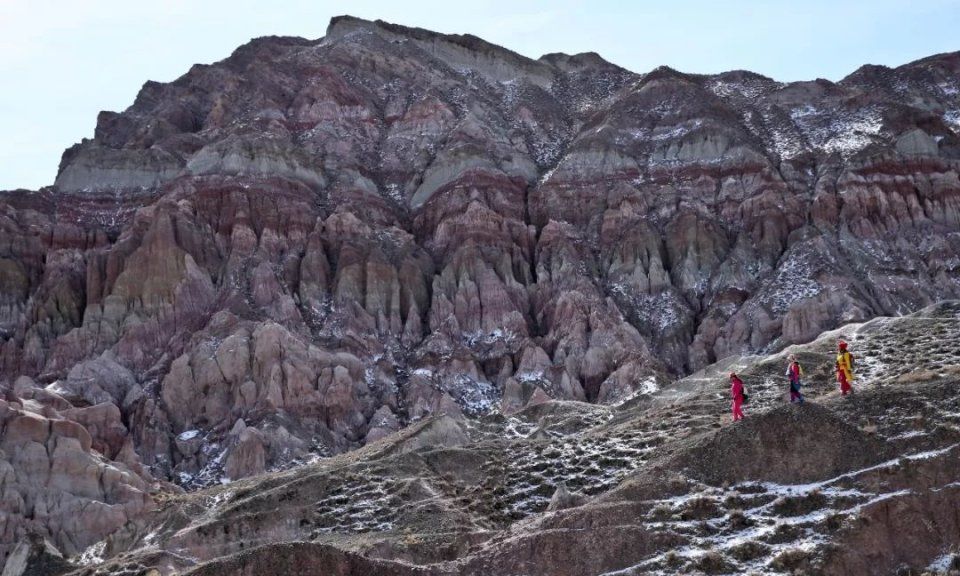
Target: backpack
[[790, 374], [745, 397], [848, 357]]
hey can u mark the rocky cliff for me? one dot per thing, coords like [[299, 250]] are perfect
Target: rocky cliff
[[313, 244]]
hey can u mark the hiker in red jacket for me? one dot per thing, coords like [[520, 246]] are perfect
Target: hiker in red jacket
[[844, 368], [794, 373], [736, 392]]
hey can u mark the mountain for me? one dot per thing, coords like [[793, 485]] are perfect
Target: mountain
[[390, 235]]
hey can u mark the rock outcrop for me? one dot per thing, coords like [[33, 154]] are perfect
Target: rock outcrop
[[57, 487]]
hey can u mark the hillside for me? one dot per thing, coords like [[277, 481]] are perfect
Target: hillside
[[659, 485]]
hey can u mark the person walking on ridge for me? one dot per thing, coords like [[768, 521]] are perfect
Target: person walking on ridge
[[844, 368], [794, 373], [736, 392]]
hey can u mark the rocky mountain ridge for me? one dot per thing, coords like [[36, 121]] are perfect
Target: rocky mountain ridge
[[312, 244]]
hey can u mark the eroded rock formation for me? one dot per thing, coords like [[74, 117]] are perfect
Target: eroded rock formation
[[663, 484], [312, 244]]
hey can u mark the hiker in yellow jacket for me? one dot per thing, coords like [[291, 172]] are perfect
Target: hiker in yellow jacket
[[844, 368]]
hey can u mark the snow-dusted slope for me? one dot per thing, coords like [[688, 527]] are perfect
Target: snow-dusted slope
[[663, 484]]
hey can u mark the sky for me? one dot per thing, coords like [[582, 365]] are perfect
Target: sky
[[62, 61]]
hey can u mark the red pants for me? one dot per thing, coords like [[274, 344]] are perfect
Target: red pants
[[737, 412], [845, 387]]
